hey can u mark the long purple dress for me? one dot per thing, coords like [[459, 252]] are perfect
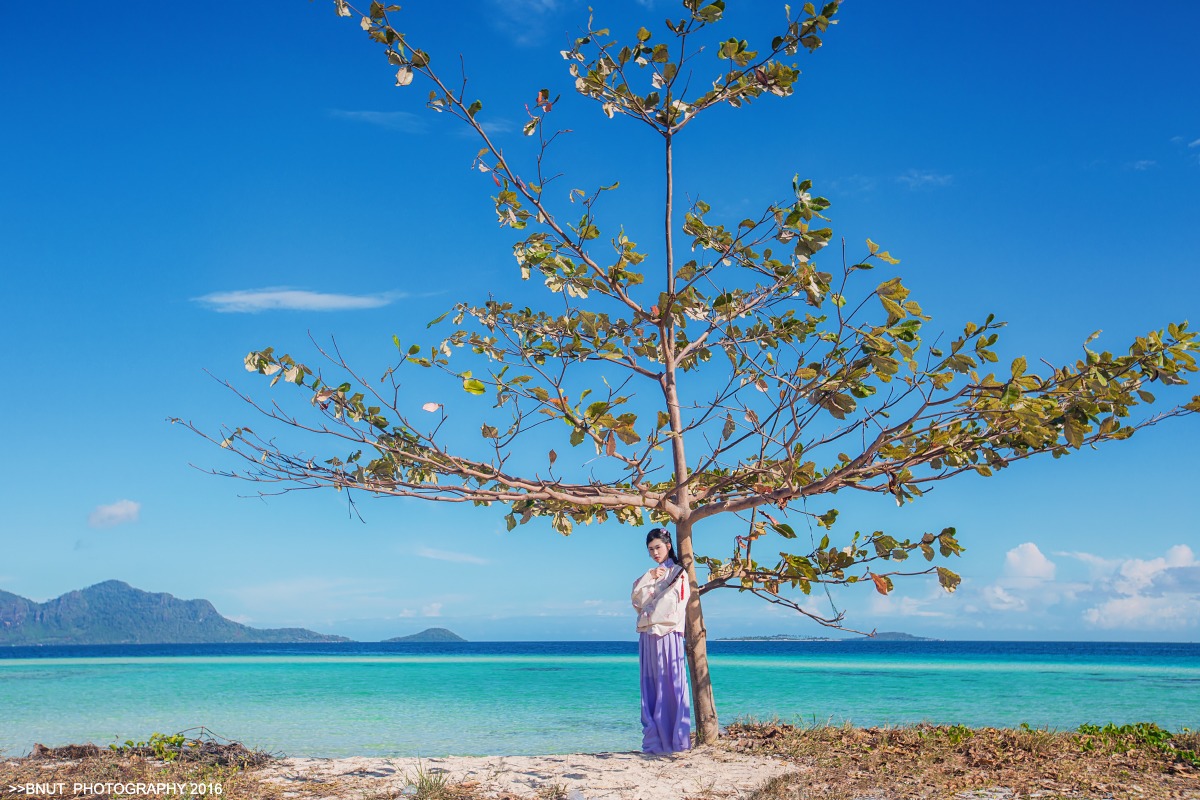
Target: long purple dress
[[662, 660], [666, 704]]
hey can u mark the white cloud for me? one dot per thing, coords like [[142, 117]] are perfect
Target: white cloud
[[1135, 574], [895, 604], [1157, 593], [1027, 583], [1097, 566], [999, 598], [924, 179], [118, 513], [403, 121], [449, 555], [1142, 165], [1194, 144], [431, 610], [1139, 611], [251, 301], [1025, 562], [904, 606]]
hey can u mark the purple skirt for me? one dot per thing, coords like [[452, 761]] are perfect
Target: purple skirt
[[666, 701]]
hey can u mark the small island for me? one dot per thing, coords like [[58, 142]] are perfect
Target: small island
[[893, 636], [428, 635], [881, 636], [778, 637]]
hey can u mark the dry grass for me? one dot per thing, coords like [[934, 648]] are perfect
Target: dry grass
[[87, 764], [106, 766], [940, 761], [833, 763]]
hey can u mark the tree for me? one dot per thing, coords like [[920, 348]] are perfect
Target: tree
[[744, 380]]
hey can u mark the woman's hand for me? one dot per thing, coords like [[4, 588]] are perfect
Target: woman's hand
[[659, 573]]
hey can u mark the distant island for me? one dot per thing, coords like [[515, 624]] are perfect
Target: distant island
[[778, 637], [114, 612], [894, 636], [881, 636], [428, 635]]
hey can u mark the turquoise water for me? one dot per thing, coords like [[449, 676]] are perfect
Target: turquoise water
[[338, 700]]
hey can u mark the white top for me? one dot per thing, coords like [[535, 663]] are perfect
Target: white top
[[661, 603]]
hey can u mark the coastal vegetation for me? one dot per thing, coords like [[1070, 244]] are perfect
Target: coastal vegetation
[[714, 371], [114, 612], [943, 761], [826, 763]]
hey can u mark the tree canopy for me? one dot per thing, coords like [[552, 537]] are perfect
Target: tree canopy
[[727, 373]]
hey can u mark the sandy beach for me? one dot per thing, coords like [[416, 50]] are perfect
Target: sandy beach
[[702, 773]]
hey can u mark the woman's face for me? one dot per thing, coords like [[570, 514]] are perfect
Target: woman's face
[[658, 550]]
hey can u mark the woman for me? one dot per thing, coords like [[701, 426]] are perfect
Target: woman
[[660, 597]]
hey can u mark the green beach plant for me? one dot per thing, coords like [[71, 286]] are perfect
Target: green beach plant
[[720, 372], [1144, 735], [427, 784]]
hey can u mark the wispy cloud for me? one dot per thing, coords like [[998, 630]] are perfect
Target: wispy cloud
[[522, 21], [449, 555], [924, 179], [853, 184], [118, 513], [282, 298], [431, 610], [1194, 144], [1142, 164], [904, 606], [494, 127], [403, 121]]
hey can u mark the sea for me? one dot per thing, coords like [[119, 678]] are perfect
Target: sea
[[477, 698]]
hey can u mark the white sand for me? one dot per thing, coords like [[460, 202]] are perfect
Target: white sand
[[702, 773]]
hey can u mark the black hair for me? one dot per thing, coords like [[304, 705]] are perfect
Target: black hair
[[663, 535]]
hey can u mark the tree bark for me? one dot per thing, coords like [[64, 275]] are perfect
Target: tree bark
[[704, 709]]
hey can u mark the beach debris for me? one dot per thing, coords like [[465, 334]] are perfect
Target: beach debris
[[70, 752]]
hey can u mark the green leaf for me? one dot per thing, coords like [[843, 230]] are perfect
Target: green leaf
[[474, 386], [948, 579], [1018, 367], [784, 530], [643, 35], [474, 109]]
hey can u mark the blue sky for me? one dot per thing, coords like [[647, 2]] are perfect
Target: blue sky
[[180, 185]]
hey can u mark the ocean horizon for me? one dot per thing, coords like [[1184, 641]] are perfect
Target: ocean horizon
[[483, 698]]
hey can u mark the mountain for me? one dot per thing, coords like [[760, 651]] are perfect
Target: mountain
[[429, 635], [116, 613]]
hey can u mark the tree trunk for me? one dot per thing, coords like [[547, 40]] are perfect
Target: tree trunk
[[704, 709]]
